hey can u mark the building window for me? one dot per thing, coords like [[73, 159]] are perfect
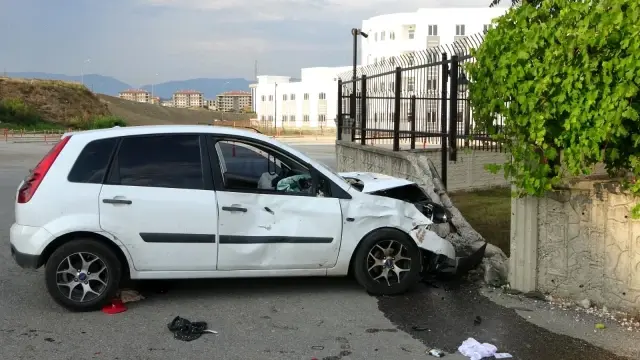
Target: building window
[[305, 118], [392, 35], [410, 83], [271, 118], [432, 84], [431, 117], [284, 97], [460, 117], [412, 33], [460, 31], [322, 96], [263, 118], [292, 118], [383, 35], [486, 28], [284, 118], [263, 98], [293, 97], [375, 36], [433, 30], [306, 96], [270, 97], [322, 118]]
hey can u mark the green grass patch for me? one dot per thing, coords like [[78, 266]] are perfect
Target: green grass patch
[[488, 212]]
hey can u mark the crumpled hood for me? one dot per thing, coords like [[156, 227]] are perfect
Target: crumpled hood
[[375, 182]]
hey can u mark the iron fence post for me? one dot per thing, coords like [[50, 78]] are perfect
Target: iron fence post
[[453, 109], [339, 114], [443, 117], [354, 110], [363, 110], [412, 119], [396, 109]]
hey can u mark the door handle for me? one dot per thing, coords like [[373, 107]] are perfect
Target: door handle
[[234, 208], [117, 201]]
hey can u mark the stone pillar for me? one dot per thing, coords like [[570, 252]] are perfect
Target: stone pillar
[[524, 244]]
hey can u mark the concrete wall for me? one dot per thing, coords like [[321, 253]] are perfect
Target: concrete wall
[[579, 242], [466, 173]]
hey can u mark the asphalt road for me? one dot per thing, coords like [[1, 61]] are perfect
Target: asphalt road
[[327, 319]]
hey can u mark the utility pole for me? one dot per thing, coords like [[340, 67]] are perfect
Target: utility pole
[[255, 71]]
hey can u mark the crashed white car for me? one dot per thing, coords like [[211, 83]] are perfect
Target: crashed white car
[[178, 202]]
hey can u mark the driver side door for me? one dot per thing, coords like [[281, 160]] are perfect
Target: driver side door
[[262, 228], [244, 165]]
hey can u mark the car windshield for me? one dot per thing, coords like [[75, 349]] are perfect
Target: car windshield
[[331, 170]]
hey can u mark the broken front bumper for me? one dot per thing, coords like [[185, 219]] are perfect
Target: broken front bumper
[[458, 265]]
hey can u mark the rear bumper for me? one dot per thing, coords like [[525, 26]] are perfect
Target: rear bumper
[[27, 244], [25, 261]]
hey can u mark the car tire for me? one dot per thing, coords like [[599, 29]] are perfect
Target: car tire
[[86, 291], [410, 260]]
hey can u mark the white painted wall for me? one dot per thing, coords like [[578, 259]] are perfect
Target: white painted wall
[[270, 105]]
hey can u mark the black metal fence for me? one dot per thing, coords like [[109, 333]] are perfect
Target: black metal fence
[[414, 101]]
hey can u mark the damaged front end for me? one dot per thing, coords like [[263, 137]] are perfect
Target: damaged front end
[[439, 255]]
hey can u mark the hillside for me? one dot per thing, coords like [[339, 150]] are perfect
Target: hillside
[[30, 103], [147, 114]]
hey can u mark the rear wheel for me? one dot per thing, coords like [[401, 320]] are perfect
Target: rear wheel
[[387, 262], [83, 275]]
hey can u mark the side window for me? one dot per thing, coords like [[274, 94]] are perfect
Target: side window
[[91, 164], [251, 167], [165, 161]]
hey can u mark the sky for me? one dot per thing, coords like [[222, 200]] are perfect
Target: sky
[[152, 41]]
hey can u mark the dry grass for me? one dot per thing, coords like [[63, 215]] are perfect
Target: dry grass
[[147, 114], [488, 212]]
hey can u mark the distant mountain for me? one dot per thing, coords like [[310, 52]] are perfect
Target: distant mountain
[[110, 86], [97, 83], [209, 87]]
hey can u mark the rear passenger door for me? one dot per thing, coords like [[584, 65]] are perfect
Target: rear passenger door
[[158, 200]]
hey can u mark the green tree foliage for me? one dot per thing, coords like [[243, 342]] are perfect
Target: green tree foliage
[[564, 75]]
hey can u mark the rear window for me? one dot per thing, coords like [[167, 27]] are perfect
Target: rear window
[[165, 161], [93, 161]]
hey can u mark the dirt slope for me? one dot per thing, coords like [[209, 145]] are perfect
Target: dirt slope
[[147, 114]]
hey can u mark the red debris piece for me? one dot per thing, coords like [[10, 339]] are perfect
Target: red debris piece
[[116, 307]]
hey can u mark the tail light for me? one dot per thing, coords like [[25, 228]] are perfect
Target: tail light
[[31, 183]]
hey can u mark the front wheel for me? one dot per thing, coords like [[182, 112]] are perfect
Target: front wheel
[[388, 262], [83, 275]]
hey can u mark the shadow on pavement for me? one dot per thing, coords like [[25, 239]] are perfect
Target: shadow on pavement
[[447, 314], [215, 287]]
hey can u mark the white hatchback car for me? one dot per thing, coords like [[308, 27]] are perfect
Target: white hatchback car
[[177, 202]]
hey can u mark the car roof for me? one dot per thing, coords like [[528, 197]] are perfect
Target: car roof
[[167, 129]]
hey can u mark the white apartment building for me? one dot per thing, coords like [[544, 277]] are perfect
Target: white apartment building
[[310, 102], [398, 34], [137, 95], [315, 96], [188, 99]]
